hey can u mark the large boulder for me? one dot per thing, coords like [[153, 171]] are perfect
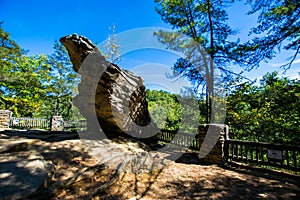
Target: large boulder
[[116, 98], [23, 170]]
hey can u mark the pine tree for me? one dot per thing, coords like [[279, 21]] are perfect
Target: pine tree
[[278, 29], [208, 46]]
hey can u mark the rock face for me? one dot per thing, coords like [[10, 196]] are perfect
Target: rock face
[[116, 98], [22, 172]]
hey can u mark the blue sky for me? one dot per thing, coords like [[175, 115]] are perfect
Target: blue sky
[[35, 25]]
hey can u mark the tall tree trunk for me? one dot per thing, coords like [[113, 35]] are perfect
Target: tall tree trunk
[[57, 105], [208, 70], [211, 65]]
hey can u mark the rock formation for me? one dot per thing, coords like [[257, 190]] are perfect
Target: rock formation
[[55, 168], [114, 97], [23, 170]]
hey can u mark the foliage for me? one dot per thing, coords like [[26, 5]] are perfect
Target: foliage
[[23, 90], [164, 108], [173, 112], [269, 112], [40, 86], [35, 86], [10, 52], [22, 78], [265, 112], [62, 85], [207, 47], [279, 28]]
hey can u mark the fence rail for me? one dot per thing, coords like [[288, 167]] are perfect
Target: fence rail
[[276, 155], [254, 153], [24, 122], [75, 125], [31, 123], [179, 139]]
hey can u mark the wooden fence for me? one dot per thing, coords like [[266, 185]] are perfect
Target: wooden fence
[[24, 122], [40, 123], [182, 139], [75, 125], [252, 153], [259, 153]]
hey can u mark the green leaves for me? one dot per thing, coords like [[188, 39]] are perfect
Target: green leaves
[[278, 28], [23, 87], [173, 112], [164, 108], [206, 45], [22, 78], [61, 84], [38, 85], [267, 113]]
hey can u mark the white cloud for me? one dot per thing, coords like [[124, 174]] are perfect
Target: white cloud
[[276, 64], [297, 61], [293, 73]]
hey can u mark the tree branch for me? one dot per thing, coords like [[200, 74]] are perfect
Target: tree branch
[[288, 65], [236, 74]]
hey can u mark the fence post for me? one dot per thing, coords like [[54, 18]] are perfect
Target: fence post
[[57, 123], [5, 117], [226, 144], [216, 155]]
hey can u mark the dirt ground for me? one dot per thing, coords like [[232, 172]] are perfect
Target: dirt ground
[[174, 180], [78, 175]]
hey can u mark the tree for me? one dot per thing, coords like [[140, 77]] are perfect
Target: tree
[[21, 79], [205, 22], [62, 84], [164, 108], [10, 53], [269, 112], [35, 86], [24, 92], [278, 29], [112, 46], [169, 110]]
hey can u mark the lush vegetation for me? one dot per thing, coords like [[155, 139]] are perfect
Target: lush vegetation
[[174, 112], [35, 86], [269, 110], [265, 112], [212, 44]]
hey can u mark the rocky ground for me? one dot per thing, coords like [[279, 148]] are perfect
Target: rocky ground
[[36, 165]]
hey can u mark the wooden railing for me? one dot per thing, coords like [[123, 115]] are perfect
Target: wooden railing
[[24, 122], [276, 155], [75, 125], [33, 123], [183, 139]]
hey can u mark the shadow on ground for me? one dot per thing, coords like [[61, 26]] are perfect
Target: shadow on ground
[[77, 175]]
